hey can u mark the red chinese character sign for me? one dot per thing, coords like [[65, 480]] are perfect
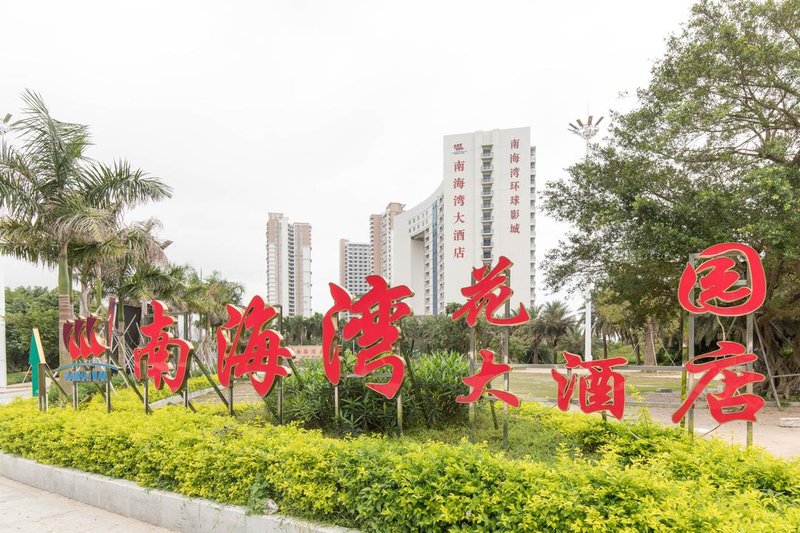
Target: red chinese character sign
[[80, 338], [372, 326], [166, 357], [487, 294], [602, 390], [729, 404], [262, 354], [478, 383], [716, 286], [718, 280]]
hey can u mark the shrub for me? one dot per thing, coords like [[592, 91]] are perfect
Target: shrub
[[660, 481], [429, 391]]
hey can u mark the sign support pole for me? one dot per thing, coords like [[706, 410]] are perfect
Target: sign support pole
[[108, 382], [146, 384], [207, 375], [186, 383], [749, 367], [230, 396], [507, 375], [399, 415], [280, 401], [472, 372], [687, 377], [42, 384]]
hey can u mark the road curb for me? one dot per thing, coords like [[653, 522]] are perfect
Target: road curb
[[160, 508]]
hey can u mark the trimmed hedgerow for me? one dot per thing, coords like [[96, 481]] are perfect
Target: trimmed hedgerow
[[659, 481]]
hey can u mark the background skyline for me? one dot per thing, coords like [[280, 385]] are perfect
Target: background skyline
[[316, 111]]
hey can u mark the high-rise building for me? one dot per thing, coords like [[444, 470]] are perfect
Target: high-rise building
[[483, 208], [289, 265], [380, 239], [355, 264]]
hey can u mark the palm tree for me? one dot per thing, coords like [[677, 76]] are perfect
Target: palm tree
[[553, 322], [115, 257], [57, 198]]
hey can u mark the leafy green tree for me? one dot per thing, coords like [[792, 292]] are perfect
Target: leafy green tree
[[57, 198], [28, 308], [710, 154]]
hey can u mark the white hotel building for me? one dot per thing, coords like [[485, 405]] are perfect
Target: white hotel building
[[483, 208]]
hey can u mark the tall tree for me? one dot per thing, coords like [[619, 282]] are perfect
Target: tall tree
[[56, 197], [711, 154]]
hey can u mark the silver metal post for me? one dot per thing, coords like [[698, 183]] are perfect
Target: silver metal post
[[507, 375], [689, 356], [472, 373], [749, 367], [399, 415]]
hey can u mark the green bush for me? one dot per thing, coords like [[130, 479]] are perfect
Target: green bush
[[602, 477], [429, 391], [87, 391]]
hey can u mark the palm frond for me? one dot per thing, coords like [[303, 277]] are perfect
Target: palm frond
[[119, 184], [73, 218], [28, 241], [55, 148], [17, 183]]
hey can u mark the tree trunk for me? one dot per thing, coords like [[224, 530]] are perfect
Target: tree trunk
[[605, 346], [650, 327], [636, 349], [86, 289], [64, 306]]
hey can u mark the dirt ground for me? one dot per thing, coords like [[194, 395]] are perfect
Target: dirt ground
[[783, 442]]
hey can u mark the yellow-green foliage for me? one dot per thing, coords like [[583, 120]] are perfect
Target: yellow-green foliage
[[658, 482]]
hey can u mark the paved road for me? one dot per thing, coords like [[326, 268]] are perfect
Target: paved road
[[24, 508], [20, 390]]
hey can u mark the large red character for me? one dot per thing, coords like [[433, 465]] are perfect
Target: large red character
[[482, 295], [727, 405], [263, 351], [80, 338], [372, 322], [478, 382], [717, 280], [602, 390], [157, 351]]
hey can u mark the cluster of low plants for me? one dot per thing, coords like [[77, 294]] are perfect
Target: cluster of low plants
[[586, 475], [433, 381], [88, 390]]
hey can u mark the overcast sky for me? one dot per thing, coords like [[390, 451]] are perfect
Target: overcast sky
[[325, 111]]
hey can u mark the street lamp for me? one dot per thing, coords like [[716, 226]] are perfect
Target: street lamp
[[4, 127], [586, 132]]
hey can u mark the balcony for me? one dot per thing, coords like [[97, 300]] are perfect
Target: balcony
[[487, 167], [487, 218], [486, 192], [487, 205], [486, 155], [487, 230]]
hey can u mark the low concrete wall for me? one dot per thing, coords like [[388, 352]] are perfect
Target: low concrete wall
[[160, 508]]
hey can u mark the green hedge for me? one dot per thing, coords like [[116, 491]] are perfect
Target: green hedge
[[657, 482]]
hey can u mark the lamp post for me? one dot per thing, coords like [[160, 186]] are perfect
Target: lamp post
[[3, 370], [586, 132]]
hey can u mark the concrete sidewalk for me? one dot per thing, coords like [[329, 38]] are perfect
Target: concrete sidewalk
[[24, 508]]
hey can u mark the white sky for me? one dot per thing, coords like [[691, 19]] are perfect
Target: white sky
[[325, 111]]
